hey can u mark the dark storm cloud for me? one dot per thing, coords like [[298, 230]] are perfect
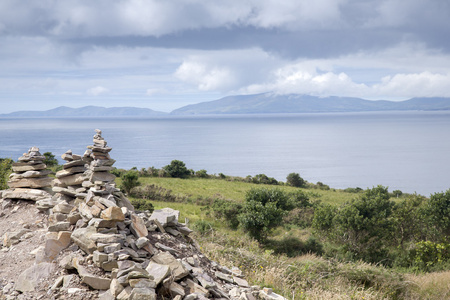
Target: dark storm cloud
[[348, 27]]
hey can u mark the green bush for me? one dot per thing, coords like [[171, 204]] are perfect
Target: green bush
[[129, 180], [155, 192], [227, 210], [177, 169], [142, 204], [5, 170], [201, 173], [294, 179], [438, 214]]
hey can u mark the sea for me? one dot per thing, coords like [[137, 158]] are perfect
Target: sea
[[407, 151]]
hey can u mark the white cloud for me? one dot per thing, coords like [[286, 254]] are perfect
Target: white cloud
[[425, 84], [98, 90]]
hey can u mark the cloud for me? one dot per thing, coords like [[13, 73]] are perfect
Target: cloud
[[425, 84], [97, 91]]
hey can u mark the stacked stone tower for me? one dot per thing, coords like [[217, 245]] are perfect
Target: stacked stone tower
[[29, 180]]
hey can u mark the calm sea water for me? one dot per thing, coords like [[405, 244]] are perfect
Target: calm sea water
[[403, 150]]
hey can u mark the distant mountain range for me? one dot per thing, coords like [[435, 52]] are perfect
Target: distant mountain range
[[272, 103], [87, 111], [248, 104]]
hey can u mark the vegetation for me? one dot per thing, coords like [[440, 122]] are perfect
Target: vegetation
[[129, 180], [177, 169], [5, 170], [294, 179], [50, 160], [313, 242]]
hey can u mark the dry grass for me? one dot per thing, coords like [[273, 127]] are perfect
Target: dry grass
[[306, 276], [431, 285]]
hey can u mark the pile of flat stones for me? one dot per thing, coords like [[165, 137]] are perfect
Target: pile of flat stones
[[29, 180], [95, 232]]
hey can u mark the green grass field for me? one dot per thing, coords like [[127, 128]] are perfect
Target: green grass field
[[195, 188]]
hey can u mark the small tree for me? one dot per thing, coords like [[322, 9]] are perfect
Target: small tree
[[294, 179], [50, 159], [177, 169], [438, 211], [130, 180]]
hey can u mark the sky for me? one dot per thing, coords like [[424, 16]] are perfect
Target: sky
[[162, 54]]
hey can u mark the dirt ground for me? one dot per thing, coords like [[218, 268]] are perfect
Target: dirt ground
[[23, 215]]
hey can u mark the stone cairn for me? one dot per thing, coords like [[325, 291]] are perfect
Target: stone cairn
[[94, 230], [29, 180]]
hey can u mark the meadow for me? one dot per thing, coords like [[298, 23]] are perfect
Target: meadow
[[292, 259]]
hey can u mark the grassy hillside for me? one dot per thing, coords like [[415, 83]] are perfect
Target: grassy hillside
[[290, 260], [195, 188]]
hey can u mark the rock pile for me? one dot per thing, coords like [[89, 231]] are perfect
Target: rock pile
[[29, 180], [95, 233]]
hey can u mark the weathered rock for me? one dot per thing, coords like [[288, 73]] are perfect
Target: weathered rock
[[24, 167], [113, 213], [177, 269], [143, 294], [60, 226], [102, 176], [157, 271], [142, 283], [240, 282], [34, 183], [53, 246], [31, 277], [195, 288], [75, 179], [165, 216], [96, 282], [26, 194], [141, 242], [138, 226], [70, 171], [30, 174], [125, 294], [82, 237], [63, 208], [268, 294]]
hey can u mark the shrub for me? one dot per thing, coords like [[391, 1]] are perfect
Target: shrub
[[142, 204], [129, 180], [438, 212], [201, 173], [177, 169], [227, 210], [294, 179], [263, 210], [5, 170], [264, 179], [203, 227], [118, 172], [353, 190], [155, 192], [301, 217], [397, 193]]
